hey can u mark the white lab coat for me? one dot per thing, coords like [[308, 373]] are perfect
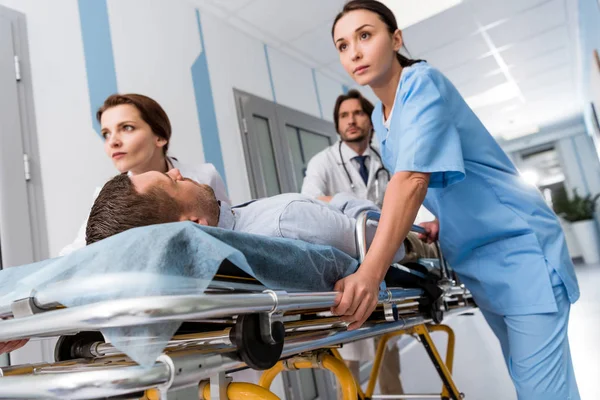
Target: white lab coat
[[201, 173], [325, 175]]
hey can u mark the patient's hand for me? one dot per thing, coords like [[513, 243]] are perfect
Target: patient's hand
[[433, 230], [326, 199], [7, 347], [358, 299]]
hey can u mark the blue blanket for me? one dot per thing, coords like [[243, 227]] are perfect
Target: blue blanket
[[177, 258]]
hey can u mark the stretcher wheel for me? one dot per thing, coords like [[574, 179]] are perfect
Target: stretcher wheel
[[436, 313], [251, 347], [76, 346]]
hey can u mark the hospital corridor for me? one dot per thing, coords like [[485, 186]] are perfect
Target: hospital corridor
[[300, 199]]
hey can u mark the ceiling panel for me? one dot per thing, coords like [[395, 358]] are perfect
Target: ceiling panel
[[472, 71], [542, 43], [547, 78], [478, 86], [288, 20], [491, 11], [504, 109], [529, 24], [410, 12], [253, 31], [232, 5], [538, 65], [457, 53], [438, 31], [559, 90]]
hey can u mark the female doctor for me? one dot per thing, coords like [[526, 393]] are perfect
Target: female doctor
[[136, 132], [495, 230]]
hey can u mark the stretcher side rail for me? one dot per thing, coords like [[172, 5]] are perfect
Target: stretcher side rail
[[177, 370], [157, 309]]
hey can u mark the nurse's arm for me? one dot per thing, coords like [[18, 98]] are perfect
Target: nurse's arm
[[404, 195], [403, 198]]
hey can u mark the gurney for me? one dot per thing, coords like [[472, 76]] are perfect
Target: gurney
[[240, 320]]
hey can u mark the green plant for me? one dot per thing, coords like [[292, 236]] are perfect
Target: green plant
[[577, 208]]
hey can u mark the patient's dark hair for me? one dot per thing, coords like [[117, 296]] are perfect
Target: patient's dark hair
[[365, 104], [120, 207], [384, 13]]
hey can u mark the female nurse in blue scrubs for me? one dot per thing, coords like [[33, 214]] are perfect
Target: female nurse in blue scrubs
[[495, 230]]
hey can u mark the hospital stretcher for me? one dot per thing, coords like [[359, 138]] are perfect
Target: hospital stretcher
[[236, 323]]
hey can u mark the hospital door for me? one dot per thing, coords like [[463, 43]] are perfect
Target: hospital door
[[278, 143]]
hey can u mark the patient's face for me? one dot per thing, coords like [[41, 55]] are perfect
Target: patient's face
[[192, 197], [129, 141]]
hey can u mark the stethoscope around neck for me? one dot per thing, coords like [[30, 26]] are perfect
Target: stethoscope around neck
[[380, 170]]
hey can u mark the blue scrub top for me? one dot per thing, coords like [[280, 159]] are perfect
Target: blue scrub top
[[496, 231]]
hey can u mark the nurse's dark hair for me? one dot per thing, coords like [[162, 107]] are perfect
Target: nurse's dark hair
[[365, 104], [150, 111], [385, 14]]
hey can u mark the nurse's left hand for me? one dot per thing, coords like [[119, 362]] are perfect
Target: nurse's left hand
[[358, 299]]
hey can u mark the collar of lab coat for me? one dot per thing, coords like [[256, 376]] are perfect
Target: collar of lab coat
[[348, 154]]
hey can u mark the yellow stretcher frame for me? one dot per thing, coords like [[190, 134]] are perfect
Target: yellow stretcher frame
[[331, 360], [444, 369]]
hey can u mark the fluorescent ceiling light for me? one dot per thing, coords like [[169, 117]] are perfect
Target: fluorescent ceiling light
[[410, 12], [499, 94], [518, 132], [530, 176]]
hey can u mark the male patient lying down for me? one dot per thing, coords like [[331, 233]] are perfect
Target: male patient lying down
[[154, 198]]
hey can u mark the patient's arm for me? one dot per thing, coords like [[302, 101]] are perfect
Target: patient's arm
[[318, 223], [352, 206]]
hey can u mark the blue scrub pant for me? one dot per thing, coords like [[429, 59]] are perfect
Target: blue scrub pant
[[536, 349]]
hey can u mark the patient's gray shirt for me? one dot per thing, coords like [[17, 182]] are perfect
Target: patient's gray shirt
[[295, 216]]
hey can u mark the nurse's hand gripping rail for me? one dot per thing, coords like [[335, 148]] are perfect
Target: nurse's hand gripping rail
[[252, 328]]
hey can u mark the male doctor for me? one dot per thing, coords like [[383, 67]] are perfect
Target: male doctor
[[352, 166]]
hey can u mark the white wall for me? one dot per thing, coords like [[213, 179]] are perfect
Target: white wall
[[154, 44], [71, 157]]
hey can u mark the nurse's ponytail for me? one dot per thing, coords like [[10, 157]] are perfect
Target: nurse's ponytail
[[384, 13]]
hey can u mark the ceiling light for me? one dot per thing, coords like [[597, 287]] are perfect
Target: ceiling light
[[410, 12], [498, 94], [530, 176]]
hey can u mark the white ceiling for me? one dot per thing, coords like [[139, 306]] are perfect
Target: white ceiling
[[515, 61]]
